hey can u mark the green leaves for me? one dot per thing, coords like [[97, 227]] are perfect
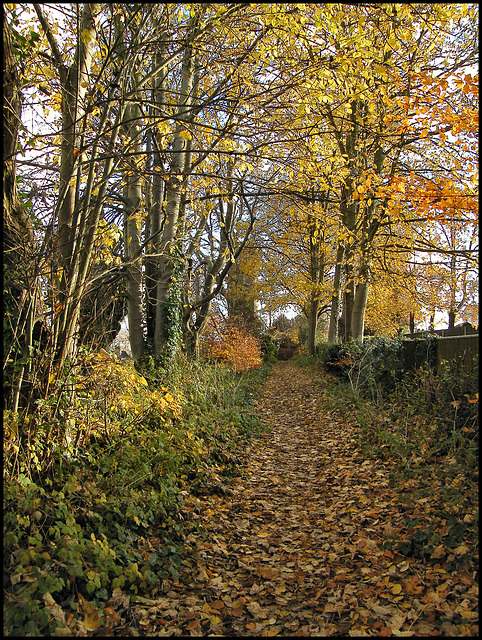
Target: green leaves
[[115, 521]]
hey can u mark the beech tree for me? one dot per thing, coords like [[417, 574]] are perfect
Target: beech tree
[[342, 136], [369, 105]]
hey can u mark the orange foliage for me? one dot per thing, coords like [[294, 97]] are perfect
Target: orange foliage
[[233, 345]]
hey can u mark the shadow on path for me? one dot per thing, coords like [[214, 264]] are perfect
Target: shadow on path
[[297, 548]]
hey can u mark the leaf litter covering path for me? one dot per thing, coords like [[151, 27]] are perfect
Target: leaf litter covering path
[[294, 550]]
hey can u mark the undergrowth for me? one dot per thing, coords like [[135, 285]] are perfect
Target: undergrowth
[[98, 494], [425, 426]]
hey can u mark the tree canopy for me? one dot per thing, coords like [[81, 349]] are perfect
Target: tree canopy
[[325, 154]]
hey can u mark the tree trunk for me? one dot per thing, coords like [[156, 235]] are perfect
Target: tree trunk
[[316, 238], [348, 299], [132, 234], [349, 217], [241, 298], [361, 295], [452, 314], [20, 290], [313, 323], [335, 299], [358, 311], [168, 311], [453, 282], [17, 228], [74, 82], [155, 209]]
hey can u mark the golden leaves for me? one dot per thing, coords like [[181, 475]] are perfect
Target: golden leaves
[[127, 386], [185, 134], [86, 36], [48, 72]]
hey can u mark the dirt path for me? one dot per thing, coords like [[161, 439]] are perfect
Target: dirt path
[[294, 550]]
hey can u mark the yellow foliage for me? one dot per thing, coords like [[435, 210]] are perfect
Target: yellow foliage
[[124, 387], [10, 425], [388, 309]]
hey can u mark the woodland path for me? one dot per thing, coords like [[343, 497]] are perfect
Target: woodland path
[[293, 550]]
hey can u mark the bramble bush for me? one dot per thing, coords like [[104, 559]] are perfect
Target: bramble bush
[[373, 366], [374, 370], [111, 503]]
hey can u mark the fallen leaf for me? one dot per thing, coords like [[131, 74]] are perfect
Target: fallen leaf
[[383, 611], [55, 609], [461, 550], [119, 599], [92, 621], [438, 552], [193, 625]]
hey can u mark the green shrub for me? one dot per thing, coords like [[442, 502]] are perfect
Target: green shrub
[[113, 512], [373, 366], [269, 350], [333, 357]]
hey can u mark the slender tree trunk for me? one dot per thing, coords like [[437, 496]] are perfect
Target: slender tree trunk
[[361, 294], [193, 333], [317, 275], [17, 229], [132, 203], [20, 294], [168, 310], [155, 210], [335, 299], [313, 323], [348, 300], [452, 314], [349, 217], [369, 229], [74, 82], [358, 311], [453, 283], [132, 234]]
